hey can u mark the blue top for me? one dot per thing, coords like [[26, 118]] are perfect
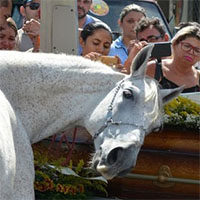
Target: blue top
[[89, 19], [119, 49]]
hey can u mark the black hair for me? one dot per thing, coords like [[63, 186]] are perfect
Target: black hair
[[26, 1], [90, 28], [146, 22]]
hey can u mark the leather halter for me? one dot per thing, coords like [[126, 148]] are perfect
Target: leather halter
[[109, 119]]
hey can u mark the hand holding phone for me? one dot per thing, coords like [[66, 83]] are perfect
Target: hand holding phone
[[110, 60]]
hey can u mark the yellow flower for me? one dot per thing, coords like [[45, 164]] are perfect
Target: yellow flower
[[59, 188]]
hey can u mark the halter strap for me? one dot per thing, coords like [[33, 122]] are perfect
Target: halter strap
[[109, 119]]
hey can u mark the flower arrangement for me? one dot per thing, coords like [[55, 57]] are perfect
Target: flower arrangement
[[182, 112], [52, 181]]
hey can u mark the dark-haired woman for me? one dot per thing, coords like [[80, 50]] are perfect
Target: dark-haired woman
[[95, 40]]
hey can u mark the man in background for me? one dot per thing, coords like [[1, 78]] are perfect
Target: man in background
[[30, 31], [83, 17], [151, 30], [148, 30], [83, 7]]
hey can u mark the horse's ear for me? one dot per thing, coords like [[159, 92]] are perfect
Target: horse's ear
[[168, 94], [139, 63]]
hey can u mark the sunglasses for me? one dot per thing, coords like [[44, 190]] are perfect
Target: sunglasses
[[33, 5]]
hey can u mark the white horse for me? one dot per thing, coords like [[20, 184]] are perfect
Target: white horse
[[7, 155], [15, 152], [50, 93]]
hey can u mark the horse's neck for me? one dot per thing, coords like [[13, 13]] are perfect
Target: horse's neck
[[51, 92]]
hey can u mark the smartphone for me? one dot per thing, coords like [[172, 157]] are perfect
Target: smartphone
[[161, 49], [110, 60]]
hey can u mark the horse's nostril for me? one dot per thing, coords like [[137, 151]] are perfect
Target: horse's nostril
[[114, 155]]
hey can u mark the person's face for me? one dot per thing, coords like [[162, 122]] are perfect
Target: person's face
[[31, 10], [188, 50], [5, 12], [7, 38], [129, 22], [83, 7], [151, 35], [99, 42]]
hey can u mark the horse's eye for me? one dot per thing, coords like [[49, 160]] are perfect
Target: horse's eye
[[128, 94]]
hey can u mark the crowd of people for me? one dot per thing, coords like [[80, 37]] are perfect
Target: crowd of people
[[95, 40]]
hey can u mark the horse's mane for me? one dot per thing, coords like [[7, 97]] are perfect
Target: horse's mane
[[157, 107]]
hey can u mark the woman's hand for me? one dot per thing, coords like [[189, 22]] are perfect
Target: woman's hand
[[93, 56]]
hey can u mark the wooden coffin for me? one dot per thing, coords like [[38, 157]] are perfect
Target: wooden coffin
[[173, 155], [167, 167]]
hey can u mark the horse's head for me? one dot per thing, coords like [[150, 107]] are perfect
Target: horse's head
[[127, 114]]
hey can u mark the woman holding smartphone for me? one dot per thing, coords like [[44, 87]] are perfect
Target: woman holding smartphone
[[95, 40]]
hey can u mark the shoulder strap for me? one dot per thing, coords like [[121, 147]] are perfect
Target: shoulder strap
[[198, 71], [158, 72]]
